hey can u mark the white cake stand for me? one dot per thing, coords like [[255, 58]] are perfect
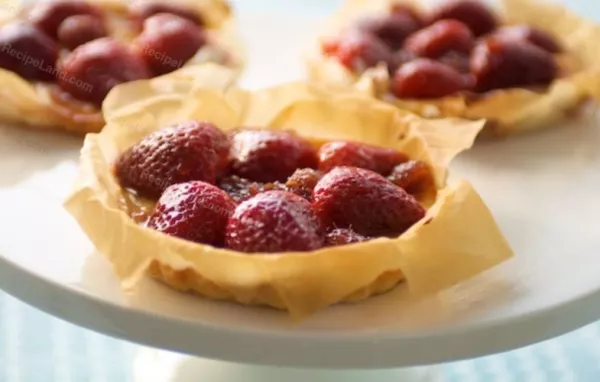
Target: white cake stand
[[543, 189]]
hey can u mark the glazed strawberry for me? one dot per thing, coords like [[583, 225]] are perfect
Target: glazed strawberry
[[474, 13], [358, 50], [92, 70], [351, 197], [440, 38], [49, 15], [391, 29], [343, 236], [269, 156], [274, 221], [303, 181], [341, 153], [425, 78], [499, 63], [168, 42], [28, 52], [141, 10], [241, 189], [194, 211], [532, 35], [179, 153], [80, 29], [415, 177]]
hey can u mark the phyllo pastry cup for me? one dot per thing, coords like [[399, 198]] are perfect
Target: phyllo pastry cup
[[46, 105], [507, 110], [457, 239]]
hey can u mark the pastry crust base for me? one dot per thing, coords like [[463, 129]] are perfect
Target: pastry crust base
[[189, 280], [508, 111], [456, 240], [31, 104]]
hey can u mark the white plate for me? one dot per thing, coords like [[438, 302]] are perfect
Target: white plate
[[543, 189]]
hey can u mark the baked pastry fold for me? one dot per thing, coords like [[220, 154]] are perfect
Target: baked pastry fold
[[457, 240]]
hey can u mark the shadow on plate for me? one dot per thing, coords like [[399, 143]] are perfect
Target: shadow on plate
[[25, 151]]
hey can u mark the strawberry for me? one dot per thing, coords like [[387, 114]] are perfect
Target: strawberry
[[269, 156], [475, 14], [180, 153], [194, 211], [274, 221], [358, 50], [440, 38], [415, 177], [49, 15], [341, 153], [392, 29], [168, 42], [351, 197]]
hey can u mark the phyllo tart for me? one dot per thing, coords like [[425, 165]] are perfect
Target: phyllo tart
[[60, 58], [292, 197], [524, 65]]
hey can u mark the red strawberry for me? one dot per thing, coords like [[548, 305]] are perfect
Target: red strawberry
[[343, 236], [475, 14], [358, 50], [391, 29], [378, 159], [180, 153], [194, 211], [426, 78], [440, 38], [146, 9], [48, 15], [532, 35], [168, 42], [415, 177], [274, 221], [350, 197], [269, 156], [498, 63]]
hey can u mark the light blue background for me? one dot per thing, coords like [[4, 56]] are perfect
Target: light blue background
[[36, 347]]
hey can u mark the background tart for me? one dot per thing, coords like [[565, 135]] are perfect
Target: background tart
[[46, 105], [458, 238], [508, 110]]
